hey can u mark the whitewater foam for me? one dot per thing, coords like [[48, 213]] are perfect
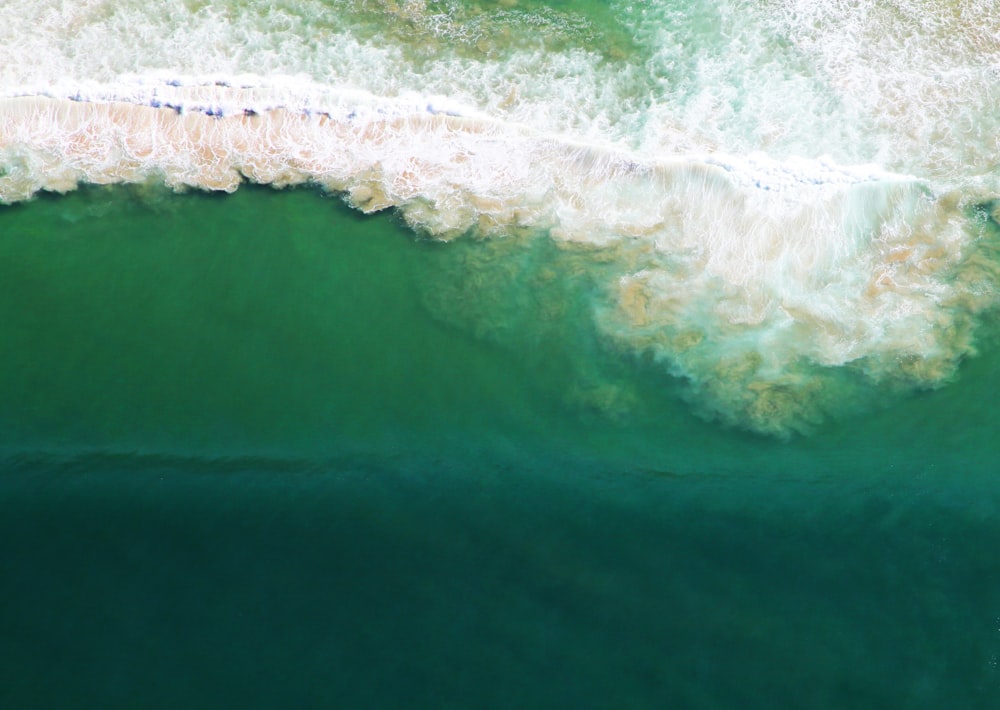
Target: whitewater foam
[[788, 190], [784, 268]]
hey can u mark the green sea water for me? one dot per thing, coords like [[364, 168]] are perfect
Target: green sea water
[[669, 381], [262, 450]]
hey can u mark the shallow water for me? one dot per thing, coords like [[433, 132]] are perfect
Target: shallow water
[[595, 354], [260, 449]]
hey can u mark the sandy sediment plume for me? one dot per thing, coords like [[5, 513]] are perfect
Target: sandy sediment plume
[[766, 286]]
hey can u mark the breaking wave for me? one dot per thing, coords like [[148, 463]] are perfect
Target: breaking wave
[[775, 285]]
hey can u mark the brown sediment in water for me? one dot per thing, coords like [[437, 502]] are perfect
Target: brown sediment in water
[[753, 296]]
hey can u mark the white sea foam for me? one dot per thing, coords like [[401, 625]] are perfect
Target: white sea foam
[[787, 206]]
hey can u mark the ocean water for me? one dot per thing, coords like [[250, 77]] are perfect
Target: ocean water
[[493, 354]]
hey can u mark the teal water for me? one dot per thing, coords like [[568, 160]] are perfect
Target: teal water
[[262, 450], [663, 372]]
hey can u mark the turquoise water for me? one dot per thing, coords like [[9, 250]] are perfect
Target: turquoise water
[[513, 354], [262, 450]]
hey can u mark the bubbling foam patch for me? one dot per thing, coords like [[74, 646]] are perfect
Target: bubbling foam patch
[[759, 282]]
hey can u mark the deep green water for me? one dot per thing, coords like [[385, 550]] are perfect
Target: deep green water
[[259, 450]]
